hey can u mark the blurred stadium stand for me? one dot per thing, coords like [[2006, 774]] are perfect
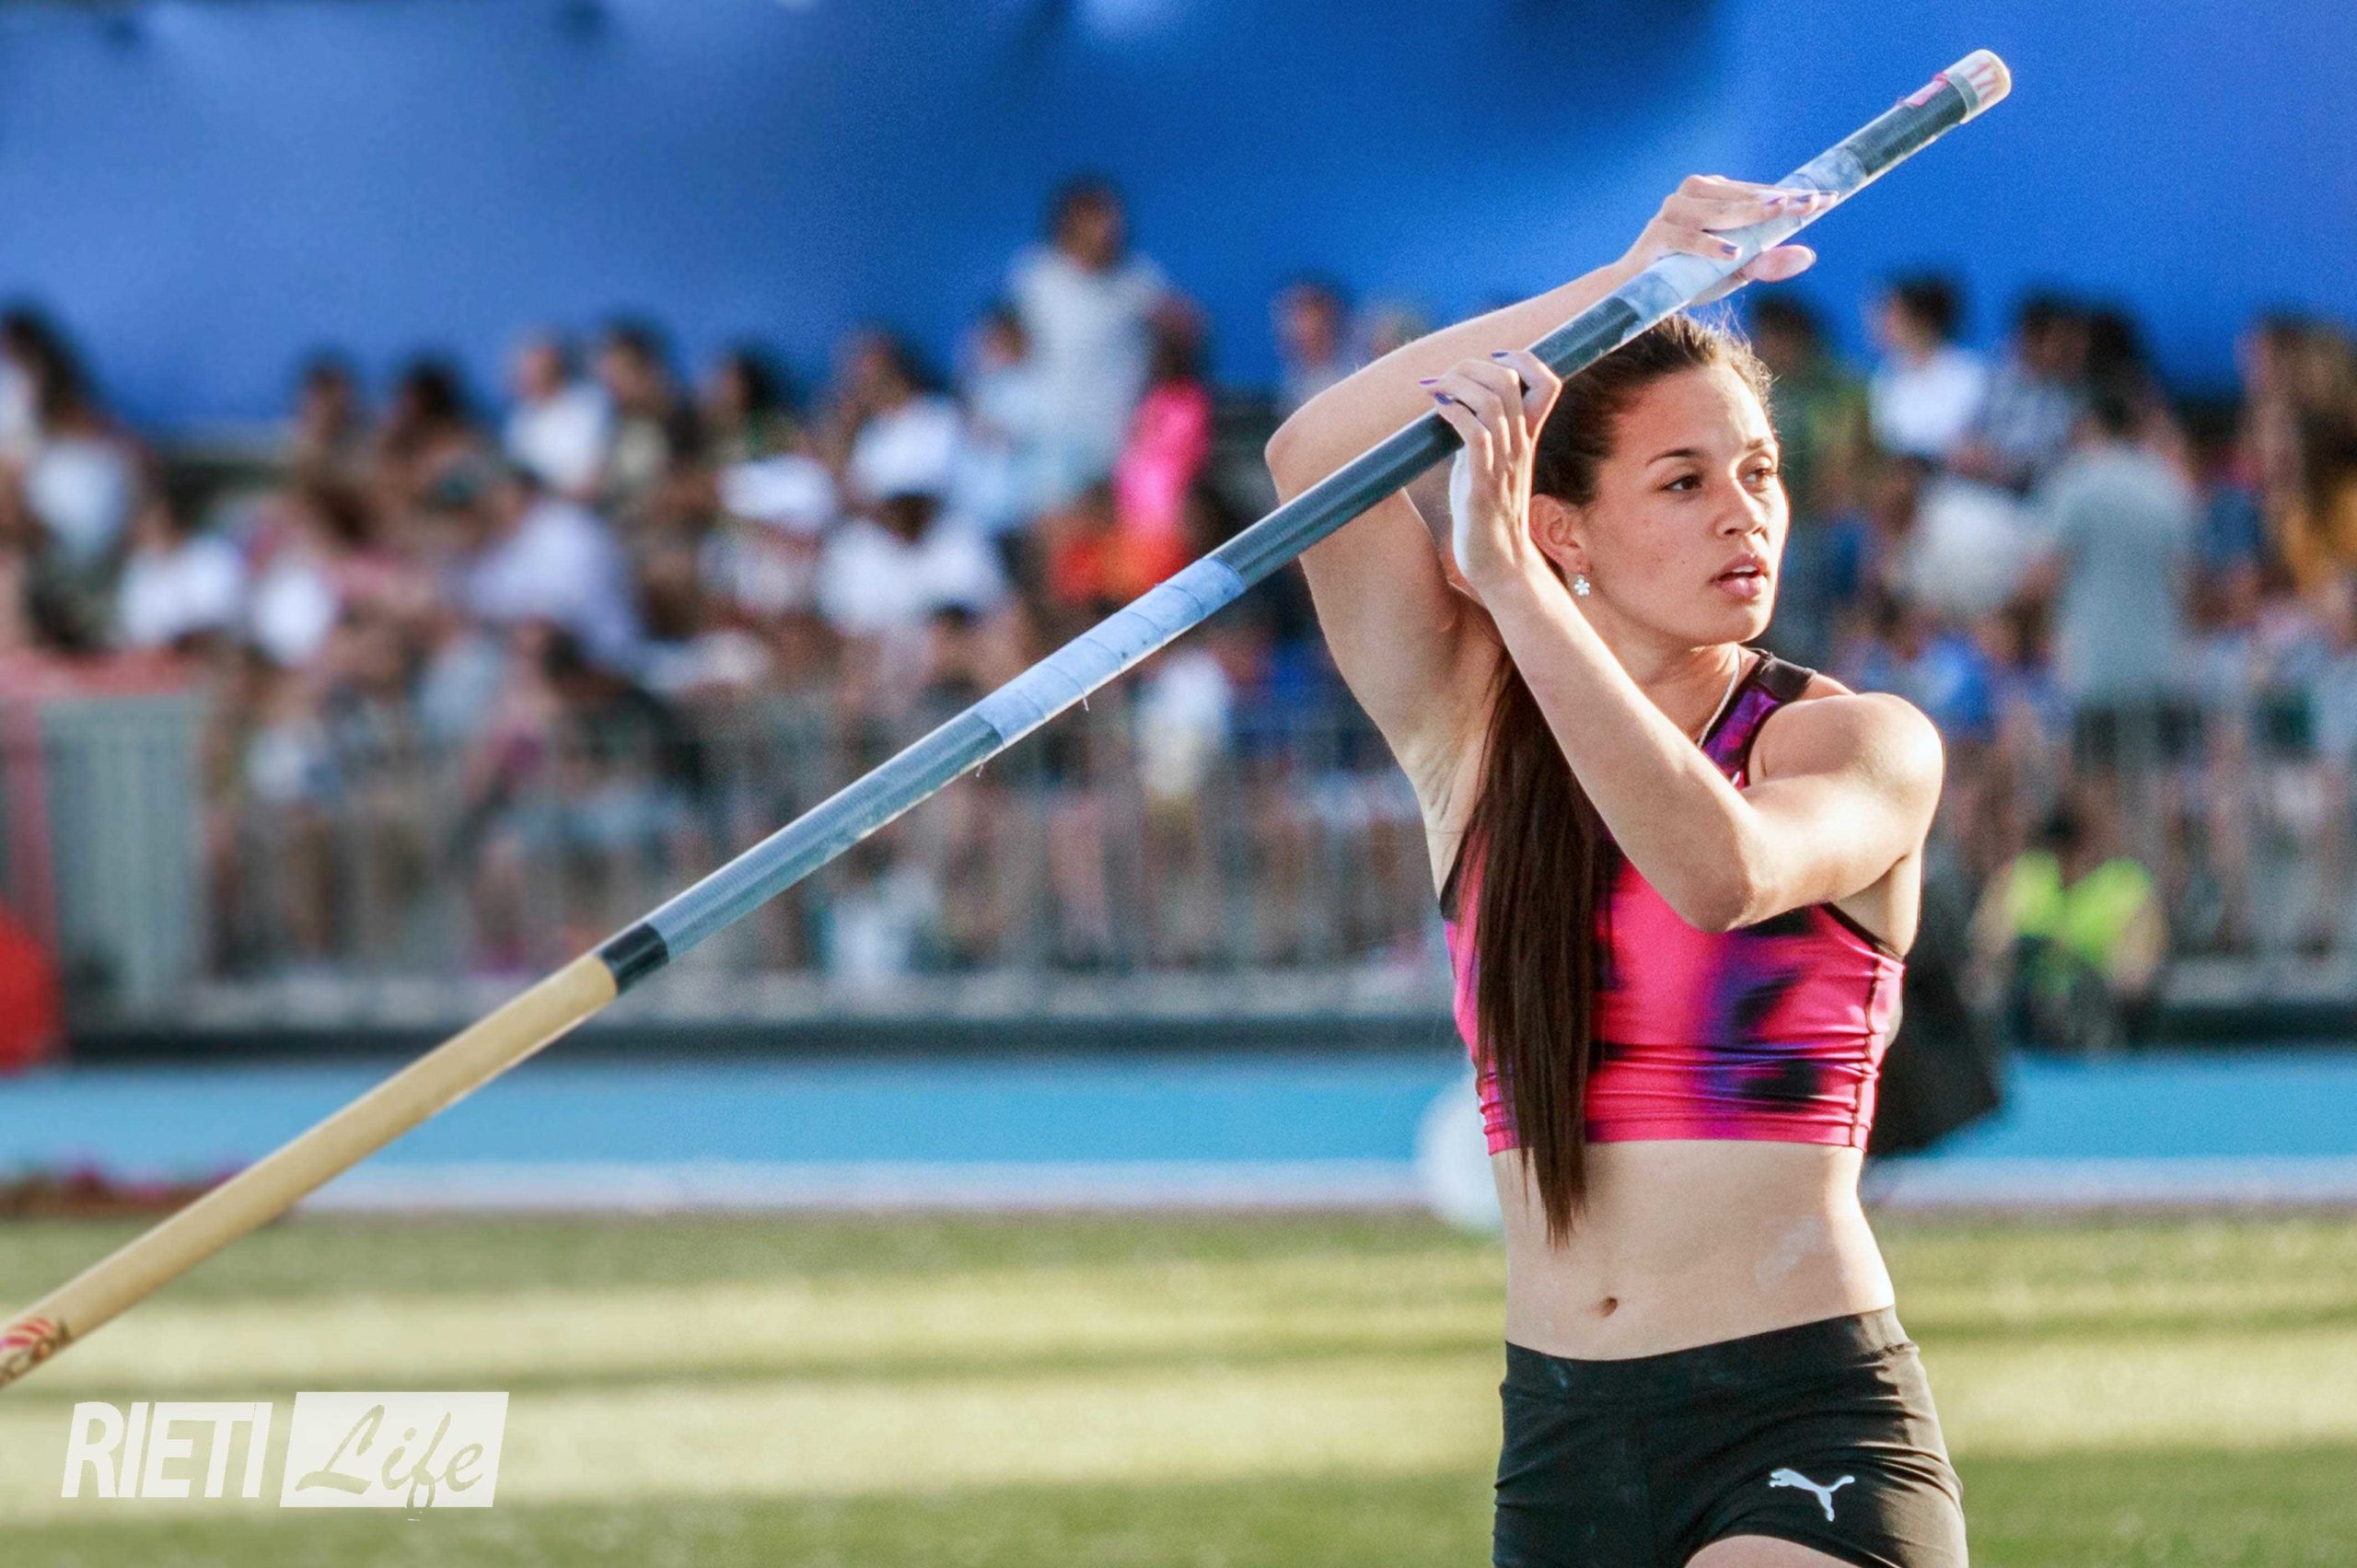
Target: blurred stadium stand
[[319, 728]]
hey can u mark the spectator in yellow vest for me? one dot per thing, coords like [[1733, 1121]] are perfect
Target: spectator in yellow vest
[[2074, 939]]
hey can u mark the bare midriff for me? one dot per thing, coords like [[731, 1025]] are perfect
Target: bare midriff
[[1687, 1242]]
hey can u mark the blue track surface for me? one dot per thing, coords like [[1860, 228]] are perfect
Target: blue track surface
[[1266, 1113], [2277, 1104], [1260, 1107]]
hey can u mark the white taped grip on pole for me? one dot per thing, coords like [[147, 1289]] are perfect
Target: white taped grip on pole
[[1183, 599], [1982, 78]]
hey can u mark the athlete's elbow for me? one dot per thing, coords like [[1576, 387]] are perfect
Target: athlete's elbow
[[1297, 457], [1724, 900], [1283, 457], [1712, 909]]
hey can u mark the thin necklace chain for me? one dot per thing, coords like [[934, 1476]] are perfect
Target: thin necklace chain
[[1741, 665]]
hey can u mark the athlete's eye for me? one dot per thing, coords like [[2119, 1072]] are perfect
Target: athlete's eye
[[1764, 472], [1684, 482]]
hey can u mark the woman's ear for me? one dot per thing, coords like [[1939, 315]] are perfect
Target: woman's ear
[[1558, 528]]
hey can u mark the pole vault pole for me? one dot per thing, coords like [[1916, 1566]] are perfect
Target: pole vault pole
[[471, 1057]]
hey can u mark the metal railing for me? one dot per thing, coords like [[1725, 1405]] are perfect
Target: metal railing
[[1107, 844], [1127, 839]]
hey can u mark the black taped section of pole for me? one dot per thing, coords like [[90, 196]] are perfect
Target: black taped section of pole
[[634, 954]]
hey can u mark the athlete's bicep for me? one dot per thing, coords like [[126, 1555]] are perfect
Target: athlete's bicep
[[1849, 785]]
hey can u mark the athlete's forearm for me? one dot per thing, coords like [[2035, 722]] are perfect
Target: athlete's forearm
[[1369, 404], [1680, 821]]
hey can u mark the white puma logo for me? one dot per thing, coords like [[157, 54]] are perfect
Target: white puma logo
[[1824, 1493]]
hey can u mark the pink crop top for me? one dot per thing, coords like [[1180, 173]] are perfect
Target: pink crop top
[[1773, 1031]]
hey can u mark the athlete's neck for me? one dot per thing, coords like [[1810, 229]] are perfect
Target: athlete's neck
[[1689, 684]]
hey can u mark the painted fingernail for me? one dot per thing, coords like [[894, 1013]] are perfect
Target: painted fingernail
[[1727, 249], [1426, 380], [1443, 398]]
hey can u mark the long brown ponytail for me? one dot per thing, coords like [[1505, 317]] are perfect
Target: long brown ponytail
[[1547, 863]]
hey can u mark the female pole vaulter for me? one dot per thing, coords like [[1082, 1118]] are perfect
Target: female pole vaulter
[[1676, 875]]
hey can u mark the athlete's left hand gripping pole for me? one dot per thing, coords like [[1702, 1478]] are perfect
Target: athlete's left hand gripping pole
[[270, 1187]]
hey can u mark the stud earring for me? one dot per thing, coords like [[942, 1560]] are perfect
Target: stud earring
[[1579, 584]]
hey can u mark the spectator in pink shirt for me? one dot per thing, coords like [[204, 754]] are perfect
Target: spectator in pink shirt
[[1170, 439]]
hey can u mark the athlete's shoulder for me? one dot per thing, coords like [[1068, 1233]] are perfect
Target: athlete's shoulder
[[1828, 728]]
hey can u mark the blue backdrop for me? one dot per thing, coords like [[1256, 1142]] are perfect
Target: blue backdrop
[[205, 189], [2188, 157]]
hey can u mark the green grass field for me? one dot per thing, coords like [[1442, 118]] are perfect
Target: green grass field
[[1206, 1391]]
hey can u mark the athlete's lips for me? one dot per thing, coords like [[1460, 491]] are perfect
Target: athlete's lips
[[1751, 559]]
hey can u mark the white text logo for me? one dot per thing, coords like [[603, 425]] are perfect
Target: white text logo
[[125, 1455], [394, 1450], [344, 1450]]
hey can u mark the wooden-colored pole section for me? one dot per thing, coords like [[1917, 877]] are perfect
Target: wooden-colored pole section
[[268, 1188]]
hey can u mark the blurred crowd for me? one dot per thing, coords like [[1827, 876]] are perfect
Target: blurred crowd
[[2134, 619], [581, 639]]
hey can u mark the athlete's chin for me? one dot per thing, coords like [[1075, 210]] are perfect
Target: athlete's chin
[[1736, 622]]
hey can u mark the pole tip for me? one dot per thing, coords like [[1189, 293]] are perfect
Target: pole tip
[[26, 1344], [1982, 78]]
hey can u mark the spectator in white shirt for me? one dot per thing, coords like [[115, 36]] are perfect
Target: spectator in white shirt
[[561, 425], [1928, 392], [74, 478], [295, 602], [1001, 478], [764, 559], [313, 553], [1086, 300], [80, 486], [880, 578], [885, 571], [2119, 529], [67, 500], [1952, 546], [896, 425], [544, 558], [179, 586], [878, 923]]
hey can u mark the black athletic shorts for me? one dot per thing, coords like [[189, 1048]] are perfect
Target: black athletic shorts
[[1821, 1434]]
